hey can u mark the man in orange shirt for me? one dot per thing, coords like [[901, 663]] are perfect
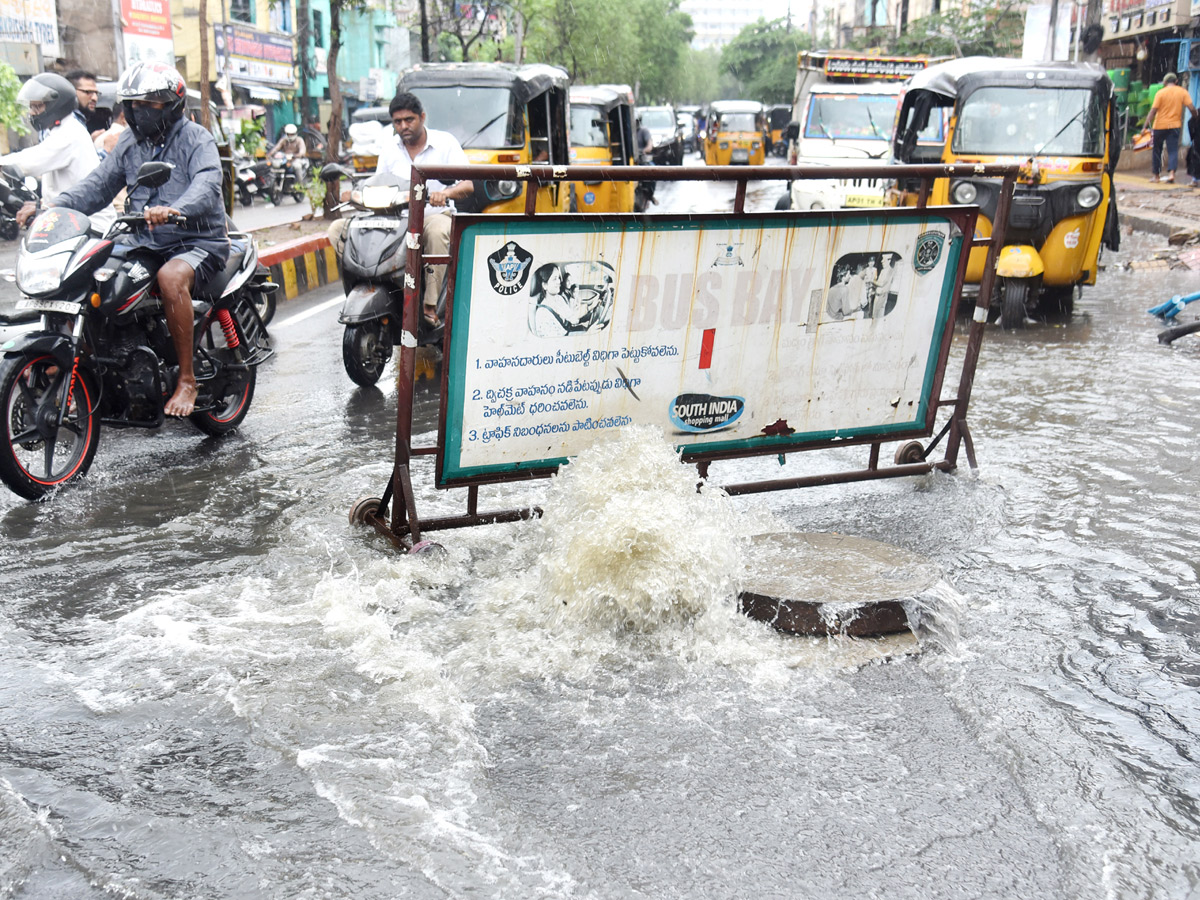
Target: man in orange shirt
[[1166, 118]]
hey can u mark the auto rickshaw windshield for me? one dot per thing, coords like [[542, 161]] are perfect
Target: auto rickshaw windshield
[[739, 122], [1037, 121], [584, 130], [477, 116]]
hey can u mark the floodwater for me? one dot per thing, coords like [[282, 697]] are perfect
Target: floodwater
[[211, 685]]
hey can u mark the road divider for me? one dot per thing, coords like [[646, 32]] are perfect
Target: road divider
[[302, 264]]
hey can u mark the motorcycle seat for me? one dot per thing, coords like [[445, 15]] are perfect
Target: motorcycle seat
[[213, 288]]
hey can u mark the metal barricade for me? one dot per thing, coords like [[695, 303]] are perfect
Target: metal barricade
[[395, 514]]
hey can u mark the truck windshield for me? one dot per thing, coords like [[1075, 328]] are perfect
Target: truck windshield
[[1026, 121], [738, 122], [860, 117], [658, 118], [477, 116]]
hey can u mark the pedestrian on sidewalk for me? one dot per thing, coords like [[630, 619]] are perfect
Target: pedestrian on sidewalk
[[1165, 120]]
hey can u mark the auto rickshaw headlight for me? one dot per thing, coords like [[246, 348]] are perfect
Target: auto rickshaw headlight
[[724, 145], [965, 193], [1089, 196]]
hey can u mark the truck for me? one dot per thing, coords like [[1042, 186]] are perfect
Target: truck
[[843, 110]]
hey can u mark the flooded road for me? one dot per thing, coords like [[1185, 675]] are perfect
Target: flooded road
[[211, 685]]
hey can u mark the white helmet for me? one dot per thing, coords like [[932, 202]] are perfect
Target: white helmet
[[289, 130]]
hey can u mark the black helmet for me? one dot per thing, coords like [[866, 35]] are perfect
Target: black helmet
[[53, 90], [156, 83]]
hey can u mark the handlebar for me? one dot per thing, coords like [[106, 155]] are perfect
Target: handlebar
[[139, 220]]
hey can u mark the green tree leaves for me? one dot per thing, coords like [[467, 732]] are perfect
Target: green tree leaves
[[763, 60]]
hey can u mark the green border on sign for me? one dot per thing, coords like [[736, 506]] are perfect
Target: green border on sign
[[455, 380]]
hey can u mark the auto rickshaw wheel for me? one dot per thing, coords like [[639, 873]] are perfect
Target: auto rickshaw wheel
[[1014, 297], [1059, 301]]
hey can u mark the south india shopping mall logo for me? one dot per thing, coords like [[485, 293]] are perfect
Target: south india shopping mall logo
[[704, 412]]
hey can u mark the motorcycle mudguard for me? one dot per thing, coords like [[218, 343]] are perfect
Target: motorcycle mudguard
[[35, 343], [1019, 261], [365, 303]]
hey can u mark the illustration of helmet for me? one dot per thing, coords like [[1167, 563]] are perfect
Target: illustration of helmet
[[55, 92], [289, 130], [155, 83]]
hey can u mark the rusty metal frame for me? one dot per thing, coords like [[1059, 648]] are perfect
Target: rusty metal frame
[[395, 515]]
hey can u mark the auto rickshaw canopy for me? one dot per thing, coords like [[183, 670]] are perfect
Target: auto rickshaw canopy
[[525, 82]]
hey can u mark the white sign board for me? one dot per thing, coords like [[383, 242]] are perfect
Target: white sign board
[[735, 335]]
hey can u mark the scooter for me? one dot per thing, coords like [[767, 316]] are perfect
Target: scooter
[[372, 262], [253, 179]]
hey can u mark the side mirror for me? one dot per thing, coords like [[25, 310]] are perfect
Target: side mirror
[[793, 131], [154, 174], [31, 184], [334, 171]]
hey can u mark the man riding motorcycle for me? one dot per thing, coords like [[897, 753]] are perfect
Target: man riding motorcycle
[[292, 146], [154, 96]]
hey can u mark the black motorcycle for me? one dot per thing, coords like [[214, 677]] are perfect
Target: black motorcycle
[[373, 264], [103, 354], [253, 179], [284, 180], [18, 191]]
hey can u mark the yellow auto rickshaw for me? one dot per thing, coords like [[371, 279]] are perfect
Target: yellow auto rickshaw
[[736, 134], [502, 114], [602, 135], [1058, 122]]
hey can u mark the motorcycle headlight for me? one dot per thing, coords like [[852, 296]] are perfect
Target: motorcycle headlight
[[41, 274], [1089, 196], [965, 193]]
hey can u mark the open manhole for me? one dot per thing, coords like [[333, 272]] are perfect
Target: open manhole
[[823, 583]]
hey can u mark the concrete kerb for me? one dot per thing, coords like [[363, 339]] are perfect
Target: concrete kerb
[[302, 264]]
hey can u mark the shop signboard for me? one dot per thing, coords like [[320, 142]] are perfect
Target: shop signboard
[[254, 57], [737, 335], [31, 22], [146, 31]]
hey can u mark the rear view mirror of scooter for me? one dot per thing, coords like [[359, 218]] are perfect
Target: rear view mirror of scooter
[[154, 174]]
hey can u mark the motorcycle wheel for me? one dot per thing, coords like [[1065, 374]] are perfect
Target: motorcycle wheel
[[245, 196], [298, 196], [264, 305], [9, 229], [231, 394], [366, 349], [1013, 299], [38, 455]]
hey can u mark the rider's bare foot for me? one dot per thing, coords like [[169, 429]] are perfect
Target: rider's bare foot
[[183, 401]]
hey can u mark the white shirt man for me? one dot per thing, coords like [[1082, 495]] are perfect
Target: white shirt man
[[441, 149], [63, 158], [426, 146]]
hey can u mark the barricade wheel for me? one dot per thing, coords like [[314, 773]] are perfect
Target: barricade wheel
[[367, 506], [909, 452]]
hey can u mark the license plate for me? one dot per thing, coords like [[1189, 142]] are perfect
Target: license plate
[[741, 155], [379, 222], [861, 200], [58, 306]]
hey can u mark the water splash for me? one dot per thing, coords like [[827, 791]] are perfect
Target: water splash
[[629, 543]]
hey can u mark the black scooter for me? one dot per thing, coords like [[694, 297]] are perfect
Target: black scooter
[[372, 261], [18, 191]]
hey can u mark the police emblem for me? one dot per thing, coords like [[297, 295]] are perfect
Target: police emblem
[[928, 252], [508, 268]]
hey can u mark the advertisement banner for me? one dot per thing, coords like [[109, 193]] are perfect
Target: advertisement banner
[[737, 335], [254, 57], [31, 22], [146, 31]]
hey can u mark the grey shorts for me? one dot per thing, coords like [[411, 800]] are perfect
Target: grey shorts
[[206, 264]]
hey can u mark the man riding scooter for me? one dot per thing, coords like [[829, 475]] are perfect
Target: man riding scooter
[[154, 96]]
